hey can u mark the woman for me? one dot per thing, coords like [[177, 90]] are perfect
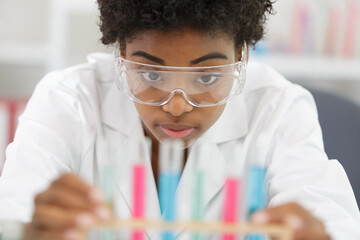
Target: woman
[[164, 48]]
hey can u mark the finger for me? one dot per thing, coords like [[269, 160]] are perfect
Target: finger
[[53, 217], [291, 214], [63, 197], [70, 191], [311, 234], [74, 183], [68, 201], [304, 225]]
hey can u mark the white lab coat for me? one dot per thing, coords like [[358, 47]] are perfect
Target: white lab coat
[[273, 123]]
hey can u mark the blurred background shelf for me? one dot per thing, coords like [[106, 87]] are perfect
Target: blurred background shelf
[[317, 68], [39, 36], [24, 54]]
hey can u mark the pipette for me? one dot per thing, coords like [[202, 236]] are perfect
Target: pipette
[[171, 164]]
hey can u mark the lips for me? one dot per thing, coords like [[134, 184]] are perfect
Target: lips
[[176, 131]]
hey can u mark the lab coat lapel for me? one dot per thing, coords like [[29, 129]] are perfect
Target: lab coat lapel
[[116, 114], [119, 112], [213, 165], [126, 156], [232, 124], [120, 117]]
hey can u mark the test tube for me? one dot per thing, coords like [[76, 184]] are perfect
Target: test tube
[[231, 203], [107, 181], [107, 185], [171, 164], [11, 230], [139, 187], [201, 150], [256, 194]]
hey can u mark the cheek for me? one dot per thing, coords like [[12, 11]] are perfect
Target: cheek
[[145, 112], [211, 115]]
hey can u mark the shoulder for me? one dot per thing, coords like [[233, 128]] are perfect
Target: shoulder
[[267, 90], [70, 98], [261, 77], [81, 78], [83, 84]]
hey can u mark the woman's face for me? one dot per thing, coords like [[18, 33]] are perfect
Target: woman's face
[[177, 118]]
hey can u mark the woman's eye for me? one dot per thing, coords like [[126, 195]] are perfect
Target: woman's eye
[[208, 79], [150, 76]]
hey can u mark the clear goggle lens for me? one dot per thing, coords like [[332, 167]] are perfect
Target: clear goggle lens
[[201, 86]]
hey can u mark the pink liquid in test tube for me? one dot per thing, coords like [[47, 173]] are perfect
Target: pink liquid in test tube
[[231, 204], [138, 197]]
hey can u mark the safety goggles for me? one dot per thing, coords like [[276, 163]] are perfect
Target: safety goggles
[[156, 85]]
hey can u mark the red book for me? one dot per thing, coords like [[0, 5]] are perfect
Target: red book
[[10, 110], [4, 129]]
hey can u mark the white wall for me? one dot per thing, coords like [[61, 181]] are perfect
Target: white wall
[[38, 36], [23, 21]]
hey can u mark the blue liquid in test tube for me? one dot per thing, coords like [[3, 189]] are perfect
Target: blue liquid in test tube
[[257, 197], [171, 164], [168, 183]]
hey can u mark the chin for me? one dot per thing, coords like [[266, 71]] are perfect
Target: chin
[[187, 142]]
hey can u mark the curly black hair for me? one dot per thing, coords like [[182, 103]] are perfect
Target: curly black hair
[[242, 20]]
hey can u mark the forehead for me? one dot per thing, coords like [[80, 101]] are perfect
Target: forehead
[[182, 42]]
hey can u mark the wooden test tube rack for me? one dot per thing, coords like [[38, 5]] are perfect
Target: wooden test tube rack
[[279, 232]]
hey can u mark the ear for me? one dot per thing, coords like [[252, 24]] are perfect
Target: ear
[[122, 49], [247, 52], [239, 53]]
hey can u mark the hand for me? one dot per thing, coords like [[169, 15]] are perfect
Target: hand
[[303, 223], [66, 209]]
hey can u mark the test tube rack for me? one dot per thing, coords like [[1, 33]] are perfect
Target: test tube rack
[[280, 232], [171, 160]]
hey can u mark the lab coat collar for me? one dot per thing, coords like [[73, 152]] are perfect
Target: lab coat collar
[[119, 112], [104, 65], [214, 167], [232, 124]]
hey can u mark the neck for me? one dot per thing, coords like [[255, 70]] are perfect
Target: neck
[[155, 154]]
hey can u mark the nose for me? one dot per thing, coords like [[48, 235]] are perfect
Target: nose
[[177, 105]]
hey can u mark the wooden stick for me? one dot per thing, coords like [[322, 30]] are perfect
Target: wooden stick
[[279, 231]]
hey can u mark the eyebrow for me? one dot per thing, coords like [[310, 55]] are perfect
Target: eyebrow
[[209, 56], [149, 56], [213, 55]]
